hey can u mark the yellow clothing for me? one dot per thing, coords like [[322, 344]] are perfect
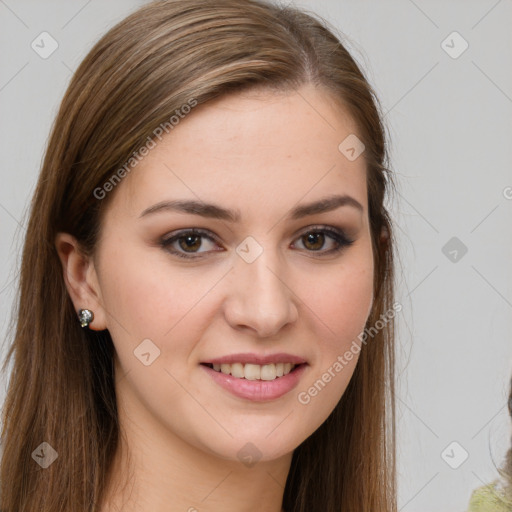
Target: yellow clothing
[[490, 498]]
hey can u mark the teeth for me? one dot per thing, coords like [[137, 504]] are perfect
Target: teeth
[[255, 371], [252, 371], [237, 370], [268, 372]]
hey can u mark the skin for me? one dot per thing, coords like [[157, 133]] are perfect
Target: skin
[[261, 153]]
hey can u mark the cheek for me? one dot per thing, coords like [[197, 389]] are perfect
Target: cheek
[[346, 303], [147, 298], [340, 302], [340, 311], [339, 307]]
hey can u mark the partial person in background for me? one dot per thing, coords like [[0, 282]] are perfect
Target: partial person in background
[[496, 496]]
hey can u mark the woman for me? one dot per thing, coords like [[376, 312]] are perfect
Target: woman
[[205, 318]]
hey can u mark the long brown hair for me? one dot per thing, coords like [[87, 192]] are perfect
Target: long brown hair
[[62, 386]]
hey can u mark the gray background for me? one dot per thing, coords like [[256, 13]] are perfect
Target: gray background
[[450, 125]]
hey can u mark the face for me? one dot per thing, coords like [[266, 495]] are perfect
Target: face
[[278, 283]]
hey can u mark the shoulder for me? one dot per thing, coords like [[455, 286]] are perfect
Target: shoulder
[[489, 498]]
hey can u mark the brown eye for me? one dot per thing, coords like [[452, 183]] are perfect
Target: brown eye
[[315, 239], [189, 242]]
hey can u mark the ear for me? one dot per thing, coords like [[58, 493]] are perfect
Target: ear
[[81, 279]]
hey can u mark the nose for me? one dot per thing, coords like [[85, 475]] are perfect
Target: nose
[[259, 298]]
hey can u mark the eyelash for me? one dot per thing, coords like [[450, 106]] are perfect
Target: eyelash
[[337, 235]]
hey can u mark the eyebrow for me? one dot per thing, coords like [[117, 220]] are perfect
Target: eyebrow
[[213, 211]]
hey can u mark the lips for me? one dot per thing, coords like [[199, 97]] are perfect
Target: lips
[[251, 358], [257, 390]]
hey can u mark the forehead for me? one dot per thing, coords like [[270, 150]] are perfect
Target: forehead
[[252, 151]]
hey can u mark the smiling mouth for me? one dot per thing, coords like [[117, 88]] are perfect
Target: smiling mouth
[[264, 372]]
